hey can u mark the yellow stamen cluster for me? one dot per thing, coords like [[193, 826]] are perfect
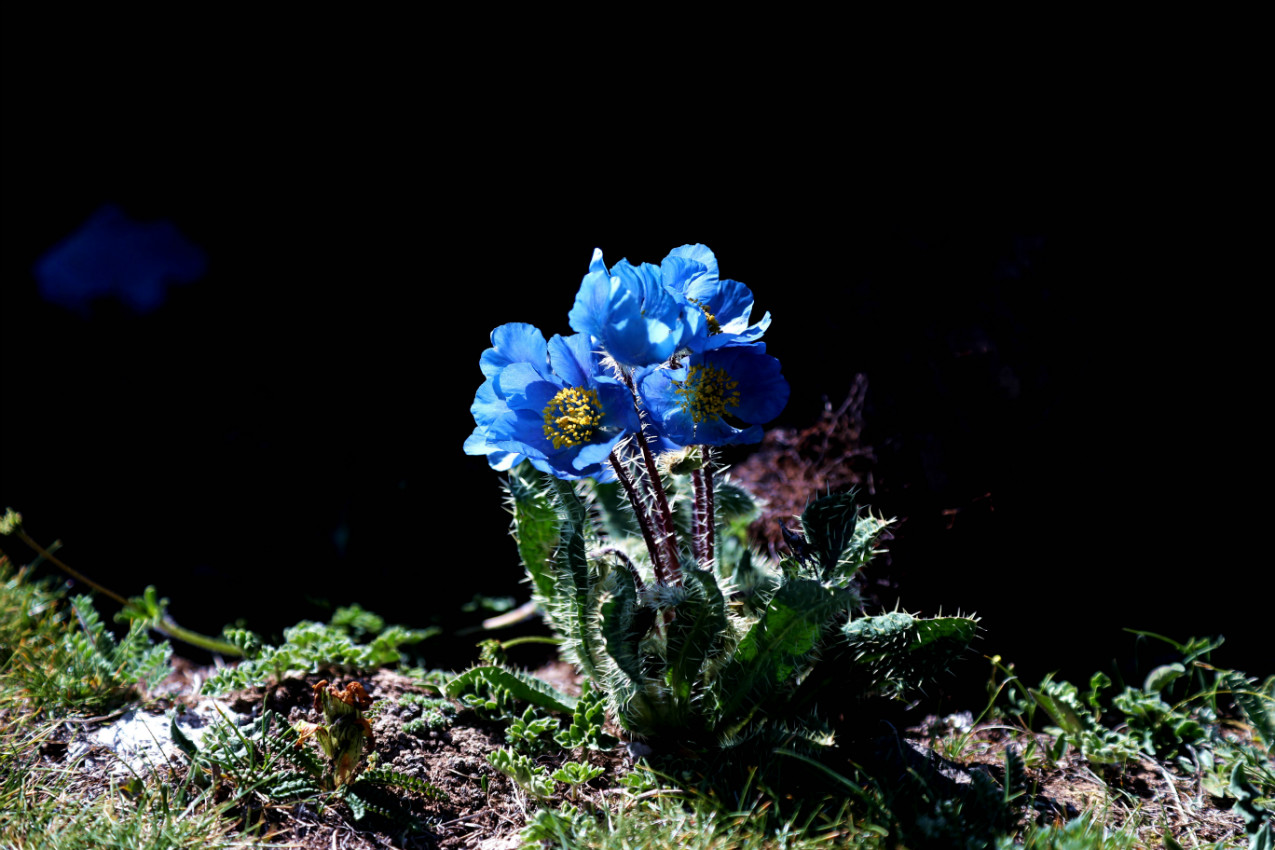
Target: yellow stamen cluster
[[707, 393], [714, 327], [571, 416]]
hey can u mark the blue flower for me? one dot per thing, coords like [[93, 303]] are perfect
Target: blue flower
[[718, 310], [716, 397], [551, 403], [633, 312]]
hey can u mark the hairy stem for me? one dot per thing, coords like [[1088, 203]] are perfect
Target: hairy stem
[[698, 538], [622, 557], [672, 575], [663, 514], [644, 521], [705, 514]]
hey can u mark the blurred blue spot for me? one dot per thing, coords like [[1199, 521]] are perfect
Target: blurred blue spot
[[112, 255]]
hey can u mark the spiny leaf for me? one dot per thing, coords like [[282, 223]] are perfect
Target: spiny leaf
[[619, 625], [696, 632], [898, 652], [535, 526], [829, 526], [775, 649], [522, 685]]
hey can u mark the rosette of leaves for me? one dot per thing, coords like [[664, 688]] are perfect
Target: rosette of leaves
[[713, 659]]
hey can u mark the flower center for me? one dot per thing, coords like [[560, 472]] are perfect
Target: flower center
[[707, 393], [571, 416]]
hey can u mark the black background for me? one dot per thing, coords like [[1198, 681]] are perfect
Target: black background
[[1061, 391]]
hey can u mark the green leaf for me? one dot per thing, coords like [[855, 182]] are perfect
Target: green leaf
[[522, 685], [1257, 821], [1059, 711], [898, 653], [695, 633], [1160, 678], [620, 629], [775, 649], [185, 744], [536, 524], [386, 776], [829, 523], [1257, 704]]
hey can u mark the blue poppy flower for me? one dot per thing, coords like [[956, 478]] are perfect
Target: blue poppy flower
[[551, 403], [717, 397], [718, 310], [631, 312]]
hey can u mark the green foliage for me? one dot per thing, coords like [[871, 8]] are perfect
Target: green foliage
[[74, 662], [1256, 703], [531, 733], [32, 615], [535, 526], [62, 656], [1080, 727], [575, 773], [424, 714], [1082, 833], [1172, 718], [488, 679], [1159, 729], [268, 758], [521, 769], [687, 820], [586, 728], [311, 647], [357, 622], [709, 659], [566, 826], [1259, 824], [897, 653], [46, 808]]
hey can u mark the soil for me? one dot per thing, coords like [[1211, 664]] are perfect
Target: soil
[[476, 807], [480, 808]]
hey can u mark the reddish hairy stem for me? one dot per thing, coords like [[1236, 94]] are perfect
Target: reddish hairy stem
[[705, 514], [662, 512], [644, 521]]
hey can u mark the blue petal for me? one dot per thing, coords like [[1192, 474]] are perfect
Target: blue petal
[[516, 342], [595, 262], [595, 456], [698, 253], [487, 406], [763, 392], [513, 381], [617, 406], [573, 360], [498, 459]]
